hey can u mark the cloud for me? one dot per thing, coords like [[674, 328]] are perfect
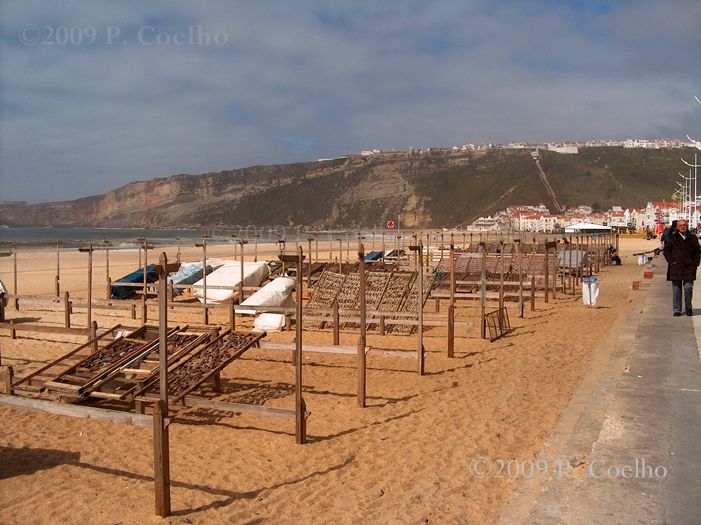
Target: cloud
[[289, 82]]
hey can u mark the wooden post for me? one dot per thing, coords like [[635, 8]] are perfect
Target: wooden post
[[451, 306], [336, 324], [361, 362], [144, 312], [8, 375], [232, 317], [161, 458], [416, 255], [586, 250], [14, 275], [93, 336], [501, 276], [384, 249], [89, 250], [309, 264], [546, 271], [451, 330], [517, 243], [483, 290], [580, 269], [340, 255], [161, 451], [532, 293], [241, 279], [108, 289], [203, 245], [420, 303], [58, 268], [300, 407], [565, 254], [66, 309]]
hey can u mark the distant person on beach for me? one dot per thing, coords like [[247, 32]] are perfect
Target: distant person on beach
[[683, 256]]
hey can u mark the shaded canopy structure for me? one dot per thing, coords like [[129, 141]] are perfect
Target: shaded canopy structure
[[587, 227]]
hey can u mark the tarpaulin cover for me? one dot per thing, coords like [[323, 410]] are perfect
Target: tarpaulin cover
[[269, 322], [229, 275], [125, 292], [276, 293], [189, 273], [373, 256]]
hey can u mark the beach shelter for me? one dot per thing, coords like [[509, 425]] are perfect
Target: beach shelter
[[587, 227]]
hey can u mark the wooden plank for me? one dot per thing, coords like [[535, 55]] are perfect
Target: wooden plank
[[78, 411], [318, 349], [31, 327], [55, 385], [227, 406], [242, 408]]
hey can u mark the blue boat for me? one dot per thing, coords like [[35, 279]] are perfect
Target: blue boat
[[188, 274], [125, 292], [373, 256]]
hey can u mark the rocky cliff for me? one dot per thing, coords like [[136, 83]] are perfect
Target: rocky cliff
[[424, 190]]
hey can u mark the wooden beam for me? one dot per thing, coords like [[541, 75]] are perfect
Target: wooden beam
[[78, 411], [31, 327]]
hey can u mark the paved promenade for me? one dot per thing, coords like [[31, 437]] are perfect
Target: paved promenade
[[630, 440]]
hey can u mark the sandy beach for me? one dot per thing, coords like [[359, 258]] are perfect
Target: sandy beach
[[409, 457]]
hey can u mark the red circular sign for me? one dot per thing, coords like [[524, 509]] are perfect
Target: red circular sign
[[391, 225]]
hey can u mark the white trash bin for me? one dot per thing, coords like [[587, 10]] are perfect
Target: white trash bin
[[590, 291]]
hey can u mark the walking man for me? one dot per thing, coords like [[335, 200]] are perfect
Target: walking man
[[683, 256]]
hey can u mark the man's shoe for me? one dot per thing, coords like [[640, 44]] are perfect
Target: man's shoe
[[677, 314], [689, 312]]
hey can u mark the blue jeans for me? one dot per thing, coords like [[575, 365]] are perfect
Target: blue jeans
[[677, 295]]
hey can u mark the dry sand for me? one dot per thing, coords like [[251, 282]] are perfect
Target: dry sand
[[407, 458]]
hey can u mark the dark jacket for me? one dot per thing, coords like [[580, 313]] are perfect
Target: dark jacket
[[683, 256]]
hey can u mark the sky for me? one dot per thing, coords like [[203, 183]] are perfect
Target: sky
[[97, 94]]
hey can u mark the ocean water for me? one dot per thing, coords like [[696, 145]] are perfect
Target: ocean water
[[120, 238]]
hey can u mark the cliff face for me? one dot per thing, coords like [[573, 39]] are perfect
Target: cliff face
[[422, 190]]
